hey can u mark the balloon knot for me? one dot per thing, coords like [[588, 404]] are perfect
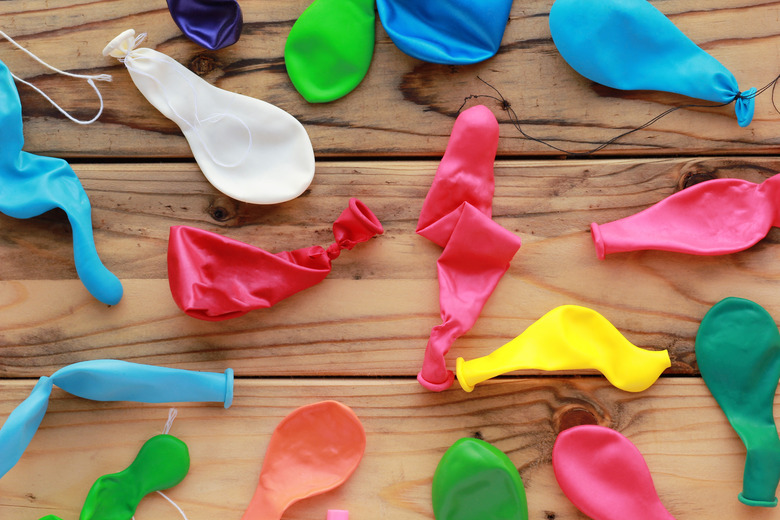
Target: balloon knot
[[334, 250]]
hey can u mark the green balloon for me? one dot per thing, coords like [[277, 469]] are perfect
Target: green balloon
[[738, 352], [476, 481], [329, 48]]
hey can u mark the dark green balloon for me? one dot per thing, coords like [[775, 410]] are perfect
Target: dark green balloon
[[329, 49], [476, 481], [738, 352]]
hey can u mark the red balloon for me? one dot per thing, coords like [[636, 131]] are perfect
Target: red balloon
[[605, 476], [715, 217], [216, 278], [456, 215]]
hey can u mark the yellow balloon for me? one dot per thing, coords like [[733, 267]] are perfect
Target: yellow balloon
[[567, 338]]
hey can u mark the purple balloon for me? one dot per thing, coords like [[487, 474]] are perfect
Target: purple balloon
[[214, 24]]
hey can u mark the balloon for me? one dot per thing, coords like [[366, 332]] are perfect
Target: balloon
[[452, 32], [569, 338], [216, 278], [631, 45], [605, 476], [474, 479], [337, 514], [213, 24], [313, 450], [738, 352], [329, 48], [247, 149], [456, 215], [33, 184], [715, 217], [108, 380]]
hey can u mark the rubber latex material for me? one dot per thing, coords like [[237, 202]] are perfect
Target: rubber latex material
[[213, 24], [247, 149], [456, 215], [738, 352], [217, 278], [108, 380], [570, 337], [337, 514], [313, 450], [714, 217], [605, 476], [162, 462], [329, 49], [453, 32], [631, 45], [32, 184], [475, 480]]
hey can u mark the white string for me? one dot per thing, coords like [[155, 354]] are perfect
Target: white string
[[90, 81], [172, 413], [128, 60], [174, 504]]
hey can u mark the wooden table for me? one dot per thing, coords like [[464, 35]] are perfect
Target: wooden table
[[359, 336]]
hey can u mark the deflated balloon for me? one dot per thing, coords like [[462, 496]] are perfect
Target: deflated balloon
[[715, 217], [214, 24], [570, 337], [452, 32], [329, 49], [738, 352], [631, 45]]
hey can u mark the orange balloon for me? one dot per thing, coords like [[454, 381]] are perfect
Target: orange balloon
[[313, 450]]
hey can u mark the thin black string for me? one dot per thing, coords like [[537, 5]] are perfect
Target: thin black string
[[515, 120]]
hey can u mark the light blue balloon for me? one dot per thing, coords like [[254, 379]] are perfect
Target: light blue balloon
[[631, 45], [109, 380], [452, 32], [33, 184]]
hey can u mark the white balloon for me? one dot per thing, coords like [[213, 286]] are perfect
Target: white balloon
[[248, 149]]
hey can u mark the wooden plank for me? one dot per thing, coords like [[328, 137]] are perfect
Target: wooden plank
[[372, 316], [696, 458], [404, 107]]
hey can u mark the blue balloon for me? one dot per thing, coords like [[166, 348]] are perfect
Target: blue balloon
[[109, 380], [452, 32], [214, 24], [34, 184], [631, 45]]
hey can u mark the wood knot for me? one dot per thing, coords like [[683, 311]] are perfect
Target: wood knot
[[573, 416], [223, 210], [202, 64], [688, 179]]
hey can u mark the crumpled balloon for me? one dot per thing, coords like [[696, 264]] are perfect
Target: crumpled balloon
[[33, 184], [631, 45], [456, 215], [715, 217], [247, 149], [216, 278], [329, 49], [738, 352], [474, 479], [108, 380], [570, 337], [213, 24], [605, 476], [452, 32], [315, 449]]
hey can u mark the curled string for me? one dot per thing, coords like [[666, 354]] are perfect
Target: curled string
[[129, 60], [515, 120]]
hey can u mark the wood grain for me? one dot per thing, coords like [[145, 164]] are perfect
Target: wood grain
[[404, 107]]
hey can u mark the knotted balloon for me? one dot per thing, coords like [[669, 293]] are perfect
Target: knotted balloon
[[456, 215], [738, 352], [329, 49], [33, 184], [715, 217], [631, 45], [213, 24], [247, 149], [570, 337], [216, 278], [605, 475], [452, 32], [108, 380]]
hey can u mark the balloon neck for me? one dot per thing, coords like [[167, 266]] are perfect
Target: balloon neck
[[762, 465], [745, 106], [334, 250]]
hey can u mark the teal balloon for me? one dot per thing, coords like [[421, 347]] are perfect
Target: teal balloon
[[631, 45]]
